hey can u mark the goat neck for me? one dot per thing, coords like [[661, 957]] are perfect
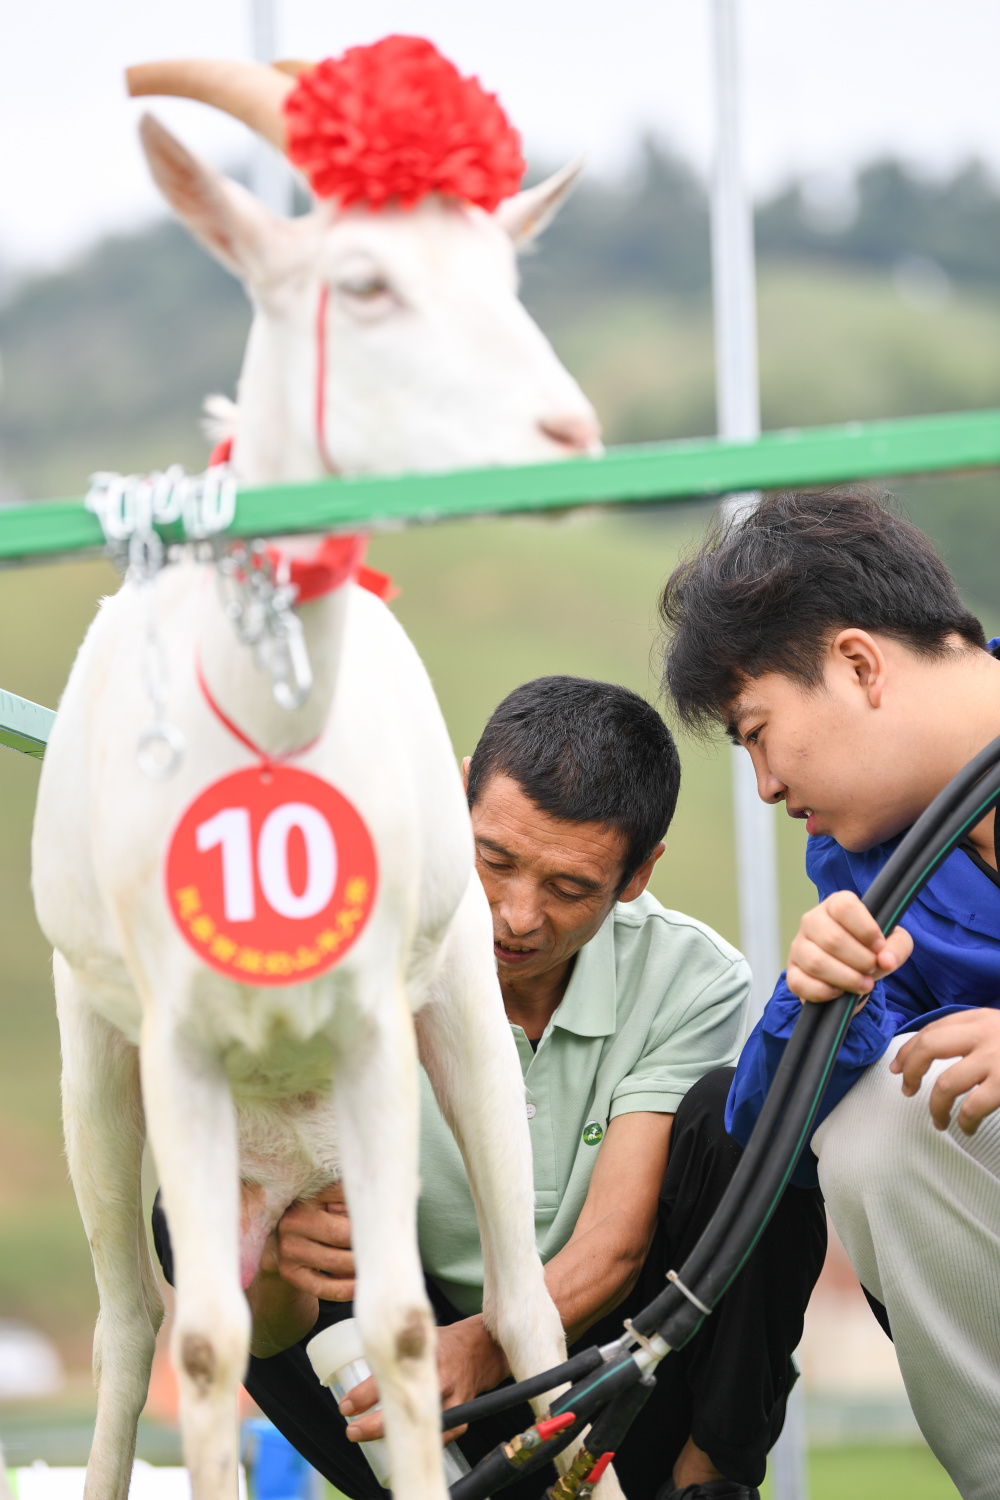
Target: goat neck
[[276, 435], [243, 690]]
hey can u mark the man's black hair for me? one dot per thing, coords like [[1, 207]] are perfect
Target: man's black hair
[[587, 752], [767, 590]]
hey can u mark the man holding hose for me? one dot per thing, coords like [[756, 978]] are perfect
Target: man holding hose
[[823, 632]]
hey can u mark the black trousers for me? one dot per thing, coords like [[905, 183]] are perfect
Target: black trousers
[[727, 1388]]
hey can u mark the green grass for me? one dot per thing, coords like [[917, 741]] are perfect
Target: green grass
[[875, 1473]]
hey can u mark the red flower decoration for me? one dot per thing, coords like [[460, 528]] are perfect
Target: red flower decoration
[[395, 121]]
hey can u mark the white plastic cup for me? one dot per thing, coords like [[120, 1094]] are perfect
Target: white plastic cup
[[338, 1358]]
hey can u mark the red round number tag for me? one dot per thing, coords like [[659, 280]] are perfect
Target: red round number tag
[[271, 875]]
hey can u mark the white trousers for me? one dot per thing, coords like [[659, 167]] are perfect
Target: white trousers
[[918, 1211]]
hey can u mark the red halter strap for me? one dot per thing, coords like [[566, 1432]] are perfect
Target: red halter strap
[[320, 413], [338, 558], [264, 756], [222, 452]]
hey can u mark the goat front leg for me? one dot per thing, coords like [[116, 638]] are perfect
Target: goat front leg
[[377, 1105], [192, 1129], [469, 1054], [105, 1133]]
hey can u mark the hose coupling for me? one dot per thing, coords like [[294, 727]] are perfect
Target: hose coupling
[[570, 1486], [526, 1444], [594, 1478]]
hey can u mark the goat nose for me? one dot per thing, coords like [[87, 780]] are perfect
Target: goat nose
[[579, 433]]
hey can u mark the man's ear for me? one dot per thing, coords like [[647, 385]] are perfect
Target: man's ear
[[466, 763], [860, 654], [640, 879]]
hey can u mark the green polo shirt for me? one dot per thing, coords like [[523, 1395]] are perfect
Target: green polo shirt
[[655, 1001]]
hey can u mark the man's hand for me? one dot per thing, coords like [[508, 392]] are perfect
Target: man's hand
[[313, 1246], [973, 1038], [307, 1257], [468, 1362], [839, 946]]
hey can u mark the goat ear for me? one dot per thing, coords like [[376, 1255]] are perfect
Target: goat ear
[[526, 214], [229, 221]]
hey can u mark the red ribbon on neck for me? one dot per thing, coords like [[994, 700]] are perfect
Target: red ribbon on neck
[[264, 756], [336, 561]]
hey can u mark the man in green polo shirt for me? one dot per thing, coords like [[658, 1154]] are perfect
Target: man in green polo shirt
[[625, 1017]]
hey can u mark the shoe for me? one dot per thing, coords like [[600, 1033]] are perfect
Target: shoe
[[711, 1489]]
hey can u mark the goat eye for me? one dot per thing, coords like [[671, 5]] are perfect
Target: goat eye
[[366, 288]]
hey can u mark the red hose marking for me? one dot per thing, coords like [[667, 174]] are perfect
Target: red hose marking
[[599, 1468], [553, 1425]]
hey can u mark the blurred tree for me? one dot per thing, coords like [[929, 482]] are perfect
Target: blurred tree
[[646, 234], [898, 213], [106, 363]]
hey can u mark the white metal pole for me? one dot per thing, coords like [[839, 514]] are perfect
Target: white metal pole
[[738, 402], [736, 377], [737, 384], [270, 174]]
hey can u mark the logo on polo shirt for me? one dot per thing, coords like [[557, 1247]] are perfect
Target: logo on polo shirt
[[593, 1133]]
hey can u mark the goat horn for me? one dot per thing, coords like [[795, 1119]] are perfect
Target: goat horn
[[251, 92], [293, 66]]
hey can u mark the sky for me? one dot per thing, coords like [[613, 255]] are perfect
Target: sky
[[827, 84]]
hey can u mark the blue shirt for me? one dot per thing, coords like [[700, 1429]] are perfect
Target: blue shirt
[[955, 966]]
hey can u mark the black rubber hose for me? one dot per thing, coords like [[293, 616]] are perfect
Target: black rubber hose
[[948, 818], [584, 1399], [907, 884], [911, 849], [708, 1246], [506, 1396], [493, 1472], [610, 1428], [755, 1211]]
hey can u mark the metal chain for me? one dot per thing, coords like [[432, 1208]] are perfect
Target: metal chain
[[160, 748], [259, 605], [260, 608]]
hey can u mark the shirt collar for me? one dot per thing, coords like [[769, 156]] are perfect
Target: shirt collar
[[589, 1005]]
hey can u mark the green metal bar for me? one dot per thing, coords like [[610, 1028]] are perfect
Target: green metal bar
[[656, 472], [24, 725]]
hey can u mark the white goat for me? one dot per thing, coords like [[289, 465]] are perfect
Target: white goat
[[423, 359]]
